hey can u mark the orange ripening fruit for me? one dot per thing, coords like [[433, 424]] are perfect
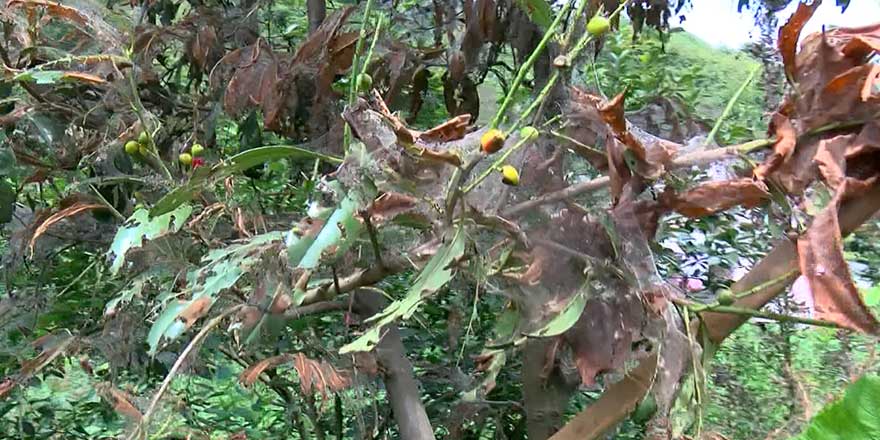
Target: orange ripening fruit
[[492, 141]]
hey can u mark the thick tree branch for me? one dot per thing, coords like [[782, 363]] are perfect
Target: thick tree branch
[[403, 389]]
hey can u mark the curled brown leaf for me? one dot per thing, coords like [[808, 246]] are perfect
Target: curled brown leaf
[[712, 197]]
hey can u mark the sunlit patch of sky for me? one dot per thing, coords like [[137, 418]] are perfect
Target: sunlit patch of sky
[[718, 23]]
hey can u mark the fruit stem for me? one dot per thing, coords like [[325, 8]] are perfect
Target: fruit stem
[[495, 165], [355, 70], [527, 65]]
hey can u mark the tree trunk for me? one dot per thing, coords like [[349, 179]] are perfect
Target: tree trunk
[[403, 390], [317, 10], [544, 399]]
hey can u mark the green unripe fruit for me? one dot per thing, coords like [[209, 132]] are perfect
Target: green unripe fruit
[[132, 147], [598, 25], [144, 138], [726, 297], [185, 159], [528, 133], [145, 151], [197, 149], [364, 82]]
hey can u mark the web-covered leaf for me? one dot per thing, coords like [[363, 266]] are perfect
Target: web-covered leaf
[[139, 227], [434, 276], [221, 269]]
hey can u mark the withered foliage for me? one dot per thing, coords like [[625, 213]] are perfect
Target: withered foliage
[[402, 197]]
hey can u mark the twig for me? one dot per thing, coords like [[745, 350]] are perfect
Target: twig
[[527, 65], [730, 104], [699, 307], [196, 341]]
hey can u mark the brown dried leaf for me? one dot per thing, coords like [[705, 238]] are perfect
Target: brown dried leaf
[[612, 114], [791, 32], [195, 310], [783, 148], [120, 400], [318, 375], [250, 375], [254, 81], [820, 252], [448, 131], [390, 205], [74, 209], [712, 197]]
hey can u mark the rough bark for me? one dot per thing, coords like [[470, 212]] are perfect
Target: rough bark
[[317, 10], [400, 383]]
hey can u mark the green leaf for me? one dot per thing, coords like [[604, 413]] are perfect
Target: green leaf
[[165, 320], [565, 319], [854, 417], [341, 230], [872, 296], [538, 10], [140, 227], [203, 176], [434, 276], [222, 268], [256, 156]]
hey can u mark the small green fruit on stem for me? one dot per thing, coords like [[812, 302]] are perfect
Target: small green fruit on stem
[[528, 132], [364, 82], [726, 297], [197, 150], [185, 159], [143, 138], [598, 25], [132, 147]]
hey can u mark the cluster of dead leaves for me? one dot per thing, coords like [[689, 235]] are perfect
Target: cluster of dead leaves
[[314, 376]]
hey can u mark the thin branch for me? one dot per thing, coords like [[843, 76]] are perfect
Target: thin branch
[[196, 341], [695, 306]]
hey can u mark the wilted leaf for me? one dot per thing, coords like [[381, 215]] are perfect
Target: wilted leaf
[[56, 76], [255, 78], [69, 211], [119, 400], [712, 197], [854, 417], [250, 375], [790, 33], [783, 148], [390, 205], [435, 275], [450, 130], [140, 227], [820, 252]]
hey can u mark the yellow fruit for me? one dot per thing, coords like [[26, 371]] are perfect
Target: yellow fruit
[[197, 149], [145, 151], [364, 82], [509, 175], [143, 138], [598, 25], [492, 141], [528, 133], [726, 297], [131, 147], [185, 159]]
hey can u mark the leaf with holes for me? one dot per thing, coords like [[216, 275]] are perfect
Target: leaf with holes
[[221, 270], [140, 227], [434, 276]]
